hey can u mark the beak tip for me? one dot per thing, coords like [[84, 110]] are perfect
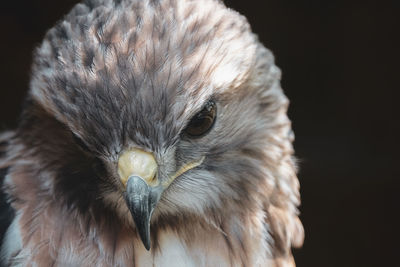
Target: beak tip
[[141, 203], [147, 245], [144, 234]]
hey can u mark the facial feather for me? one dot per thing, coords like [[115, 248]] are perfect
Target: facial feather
[[120, 74]]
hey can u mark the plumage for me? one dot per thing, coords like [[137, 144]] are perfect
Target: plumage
[[114, 77]]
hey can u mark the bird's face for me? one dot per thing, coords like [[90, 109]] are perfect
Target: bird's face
[[157, 113]]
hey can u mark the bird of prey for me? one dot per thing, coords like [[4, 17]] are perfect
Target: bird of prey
[[154, 133]]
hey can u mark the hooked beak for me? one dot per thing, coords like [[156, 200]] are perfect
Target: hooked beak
[[142, 199], [137, 170]]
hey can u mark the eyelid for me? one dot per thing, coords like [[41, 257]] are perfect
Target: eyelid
[[211, 100]]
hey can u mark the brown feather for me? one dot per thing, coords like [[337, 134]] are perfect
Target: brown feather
[[117, 74]]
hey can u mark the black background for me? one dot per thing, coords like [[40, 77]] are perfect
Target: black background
[[340, 63]]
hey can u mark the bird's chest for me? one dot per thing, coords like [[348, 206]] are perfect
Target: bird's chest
[[51, 245], [173, 251]]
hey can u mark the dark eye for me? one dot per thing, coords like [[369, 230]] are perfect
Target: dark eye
[[202, 122]]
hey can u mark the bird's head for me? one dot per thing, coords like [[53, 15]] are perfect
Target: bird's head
[[155, 110]]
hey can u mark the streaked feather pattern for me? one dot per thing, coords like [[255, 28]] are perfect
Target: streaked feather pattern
[[117, 74]]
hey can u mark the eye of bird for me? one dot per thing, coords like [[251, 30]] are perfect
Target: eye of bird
[[203, 121]]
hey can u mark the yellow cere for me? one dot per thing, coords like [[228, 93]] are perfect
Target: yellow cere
[[139, 163]]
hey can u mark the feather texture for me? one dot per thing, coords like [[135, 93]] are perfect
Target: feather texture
[[118, 74]]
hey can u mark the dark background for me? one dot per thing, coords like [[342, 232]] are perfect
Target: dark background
[[340, 63]]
